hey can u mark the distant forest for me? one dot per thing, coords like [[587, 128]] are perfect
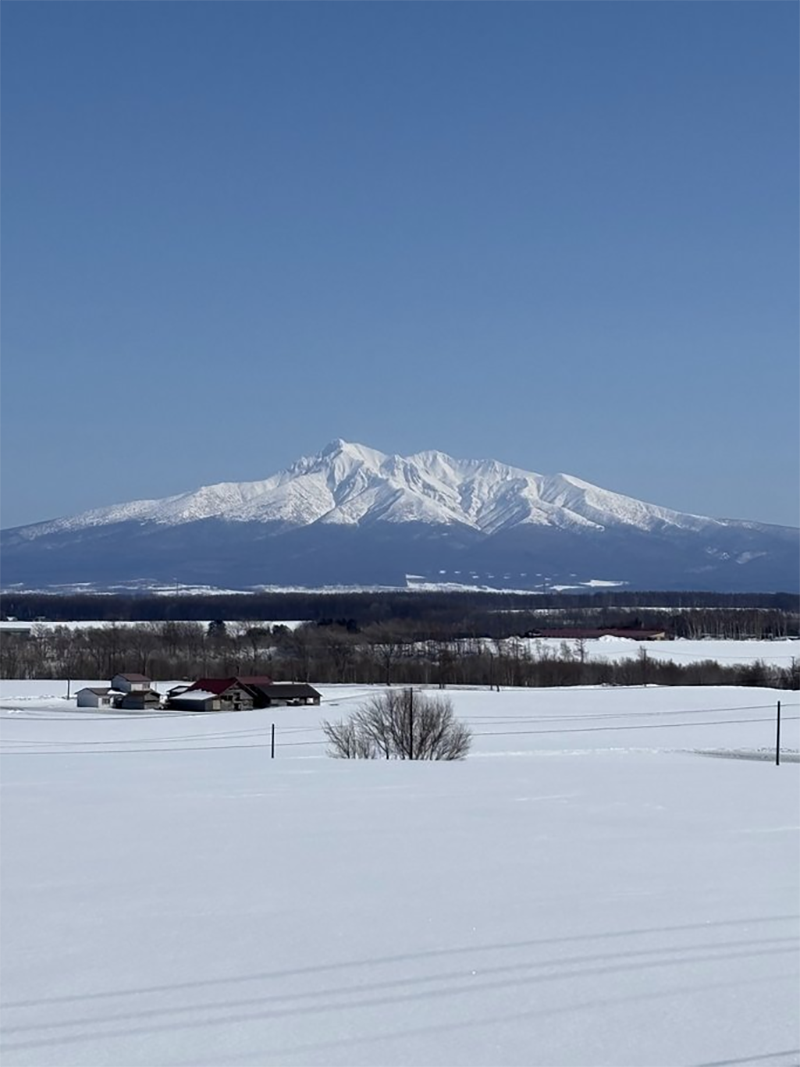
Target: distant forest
[[465, 608], [404, 638]]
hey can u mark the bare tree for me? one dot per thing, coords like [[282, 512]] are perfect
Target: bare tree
[[347, 742], [299, 644], [400, 725], [340, 647], [258, 640], [387, 646]]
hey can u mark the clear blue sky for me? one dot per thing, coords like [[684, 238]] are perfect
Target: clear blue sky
[[563, 235]]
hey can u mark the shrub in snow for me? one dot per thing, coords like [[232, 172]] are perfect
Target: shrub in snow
[[400, 725]]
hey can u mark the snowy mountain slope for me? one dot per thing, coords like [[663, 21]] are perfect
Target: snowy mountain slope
[[351, 514], [349, 484]]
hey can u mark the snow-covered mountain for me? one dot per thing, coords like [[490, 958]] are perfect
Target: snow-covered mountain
[[351, 513], [352, 485]]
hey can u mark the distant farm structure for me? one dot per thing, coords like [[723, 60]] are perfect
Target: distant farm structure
[[127, 692], [240, 694], [135, 692]]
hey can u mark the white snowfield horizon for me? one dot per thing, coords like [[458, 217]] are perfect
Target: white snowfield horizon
[[587, 888], [351, 484]]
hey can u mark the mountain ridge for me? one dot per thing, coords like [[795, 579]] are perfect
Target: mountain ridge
[[354, 474], [355, 508]]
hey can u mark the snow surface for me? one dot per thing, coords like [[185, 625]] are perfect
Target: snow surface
[[584, 889], [86, 624], [351, 484], [682, 650]]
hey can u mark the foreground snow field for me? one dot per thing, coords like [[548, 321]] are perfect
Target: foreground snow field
[[586, 888]]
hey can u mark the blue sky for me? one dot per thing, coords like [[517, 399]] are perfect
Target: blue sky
[[563, 235]]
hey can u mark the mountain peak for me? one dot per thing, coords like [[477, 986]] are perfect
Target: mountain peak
[[338, 444], [350, 484], [352, 451]]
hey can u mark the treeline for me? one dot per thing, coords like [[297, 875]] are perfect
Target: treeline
[[721, 623], [442, 615], [366, 607], [334, 653]]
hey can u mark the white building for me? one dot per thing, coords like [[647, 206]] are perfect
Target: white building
[[96, 698]]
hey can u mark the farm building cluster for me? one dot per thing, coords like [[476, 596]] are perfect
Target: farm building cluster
[[135, 692]]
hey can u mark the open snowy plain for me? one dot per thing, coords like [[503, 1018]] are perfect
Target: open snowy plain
[[588, 888]]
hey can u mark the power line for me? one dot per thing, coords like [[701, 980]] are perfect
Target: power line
[[643, 726], [294, 744], [520, 719]]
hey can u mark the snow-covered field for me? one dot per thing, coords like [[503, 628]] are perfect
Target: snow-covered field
[[586, 888], [778, 653]]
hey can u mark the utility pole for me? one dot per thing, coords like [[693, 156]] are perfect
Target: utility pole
[[643, 662], [778, 737]]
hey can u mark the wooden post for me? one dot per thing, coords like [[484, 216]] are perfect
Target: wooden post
[[272, 743], [778, 737], [68, 684]]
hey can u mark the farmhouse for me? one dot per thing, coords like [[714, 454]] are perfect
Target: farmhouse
[[240, 694], [129, 692], [129, 683], [285, 694], [233, 694], [193, 700], [96, 698], [138, 700]]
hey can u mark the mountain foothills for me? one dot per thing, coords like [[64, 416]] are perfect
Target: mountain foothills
[[353, 516]]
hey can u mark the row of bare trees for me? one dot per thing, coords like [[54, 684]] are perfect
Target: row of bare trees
[[382, 653]]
